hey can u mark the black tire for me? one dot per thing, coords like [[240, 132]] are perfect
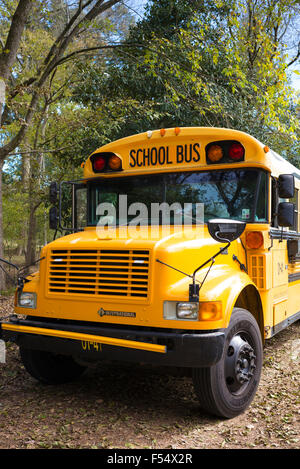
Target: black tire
[[228, 388], [49, 368]]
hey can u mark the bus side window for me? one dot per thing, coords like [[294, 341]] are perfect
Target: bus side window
[[293, 245], [274, 203], [80, 206], [294, 200]]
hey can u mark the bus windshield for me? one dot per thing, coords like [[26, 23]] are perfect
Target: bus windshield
[[239, 194]]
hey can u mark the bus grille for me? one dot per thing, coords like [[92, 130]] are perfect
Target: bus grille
[[100, 272]]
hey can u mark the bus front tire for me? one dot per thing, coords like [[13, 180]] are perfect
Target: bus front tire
[[228, 388], [50, 368]]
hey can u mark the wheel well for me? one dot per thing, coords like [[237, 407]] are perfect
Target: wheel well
[[249, 299]]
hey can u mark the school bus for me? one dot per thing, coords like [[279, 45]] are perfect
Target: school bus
[[201, 296]]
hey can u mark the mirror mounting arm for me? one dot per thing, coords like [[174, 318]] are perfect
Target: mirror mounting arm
[[242, 266], [194, 289]]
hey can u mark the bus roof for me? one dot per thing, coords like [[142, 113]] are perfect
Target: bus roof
[[183, 148]]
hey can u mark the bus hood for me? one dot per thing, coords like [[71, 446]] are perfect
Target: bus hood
[[128, 275], [184, 249]]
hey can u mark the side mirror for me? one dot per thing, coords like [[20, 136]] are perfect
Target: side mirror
[[223, 230], [286, 214], [286, 186], [293, 249], [53, 192], [53, 218]]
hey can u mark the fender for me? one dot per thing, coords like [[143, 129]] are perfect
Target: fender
[[224, 283]]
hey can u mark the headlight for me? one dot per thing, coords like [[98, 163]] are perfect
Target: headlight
[[187, 310], [27, 300], [202, 311], [184, 311]]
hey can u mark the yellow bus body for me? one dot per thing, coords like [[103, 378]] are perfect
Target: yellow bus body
[[269, 289], [274, 283]]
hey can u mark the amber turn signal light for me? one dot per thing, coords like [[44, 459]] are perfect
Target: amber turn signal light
[[210, 310], [114, 163], [215, 153], [254, 240]]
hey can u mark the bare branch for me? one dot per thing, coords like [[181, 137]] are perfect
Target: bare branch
[[295, 58], [39, 150], [52, 60], [9, 52]]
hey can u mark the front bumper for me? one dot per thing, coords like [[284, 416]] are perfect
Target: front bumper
[[90, 341]]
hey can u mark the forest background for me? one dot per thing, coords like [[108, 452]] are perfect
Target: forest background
[[75, 75]]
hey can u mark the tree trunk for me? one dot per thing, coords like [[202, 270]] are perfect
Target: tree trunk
[[2, 275], [9, 51], [31, 235], [7, 59], [51, 62]]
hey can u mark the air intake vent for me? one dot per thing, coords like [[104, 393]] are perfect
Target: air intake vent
[[257, 270], [115, 273]]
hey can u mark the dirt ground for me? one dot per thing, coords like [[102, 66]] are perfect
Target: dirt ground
[[130, 406]]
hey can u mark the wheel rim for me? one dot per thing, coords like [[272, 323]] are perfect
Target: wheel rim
[[240, 363]]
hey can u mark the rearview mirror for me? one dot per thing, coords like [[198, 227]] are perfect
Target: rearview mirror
[[53, 218], [53, 191], [286, 186], [223, 230], [286, 214]]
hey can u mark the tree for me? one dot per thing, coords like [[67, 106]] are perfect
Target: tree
[[54, 57], [23, 92], [210, 63]]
